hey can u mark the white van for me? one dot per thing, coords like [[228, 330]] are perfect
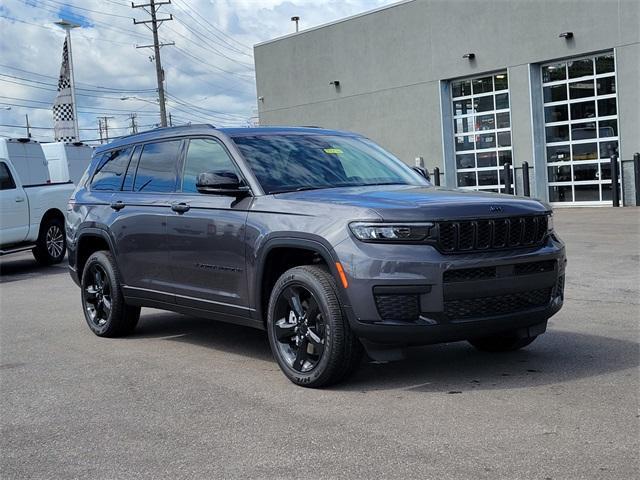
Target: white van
[[67, 161]]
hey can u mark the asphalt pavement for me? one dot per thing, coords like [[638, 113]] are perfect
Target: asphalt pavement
[[197, 399]]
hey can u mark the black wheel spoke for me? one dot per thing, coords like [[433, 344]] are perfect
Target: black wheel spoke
[[316, 342], [301, 355], [285, 330], [293, 297], [106, 306], [90, 293]]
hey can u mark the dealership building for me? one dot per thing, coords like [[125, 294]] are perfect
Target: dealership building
[[470, 85]]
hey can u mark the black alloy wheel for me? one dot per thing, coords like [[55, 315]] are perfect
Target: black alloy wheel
[[299, 329], [97, 296]]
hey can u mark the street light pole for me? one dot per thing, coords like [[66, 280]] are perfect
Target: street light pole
[[67, 26]]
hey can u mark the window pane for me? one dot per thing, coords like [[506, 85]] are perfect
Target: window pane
[[485, 122], [606, 85], [587, 193], [608, 128], [558, 153], [555, 93], [488, 177], [482, 85], [465, 160], [504, 139], [551, 73], [6, 180], [487, 159], [204, 155], [127, 185], [466, 179], [502, 101], [111, 171], [484, 104], [556, 113], [606, 191], [463, 125], [157, 167], [581, 89], [559, 133], [560, 173], [585, 172], [580, 68], [504, 156], [585, 151], [464, 143], [461, 88], [608, 148], [462, 107], [502, 120], [607, 107], [560, 194], [605, 64], [582, 131], [501, 81], [487, 140], [583, 110]]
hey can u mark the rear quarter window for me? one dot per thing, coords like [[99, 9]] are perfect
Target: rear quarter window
[[111, 170]]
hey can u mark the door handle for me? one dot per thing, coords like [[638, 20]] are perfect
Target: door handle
[[19, 199], [117, 206], [180, 207]]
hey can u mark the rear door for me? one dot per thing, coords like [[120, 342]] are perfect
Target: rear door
[[207, 241], [139, 224], [14, 208]]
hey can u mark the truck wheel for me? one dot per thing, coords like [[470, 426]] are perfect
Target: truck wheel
[[501, 343], [51, 245], [104, 307], [309, 336]]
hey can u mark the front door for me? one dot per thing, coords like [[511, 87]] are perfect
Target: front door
[[206, 235], [14, 209]]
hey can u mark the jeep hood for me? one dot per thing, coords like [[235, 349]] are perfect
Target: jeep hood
[[422, 203]]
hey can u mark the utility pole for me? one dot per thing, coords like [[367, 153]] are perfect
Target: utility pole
[[100, 129], [103, 123], [152, 9], [28, 127], [134, 126], [170, 121]]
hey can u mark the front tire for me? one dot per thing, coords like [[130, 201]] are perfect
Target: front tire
[[309, 336], [103, 304], [501, 343], [51, 244]]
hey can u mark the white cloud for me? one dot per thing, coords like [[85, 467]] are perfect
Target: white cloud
[[209, 72]]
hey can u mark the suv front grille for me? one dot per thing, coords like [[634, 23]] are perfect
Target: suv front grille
[[481, 235], [497, 305]]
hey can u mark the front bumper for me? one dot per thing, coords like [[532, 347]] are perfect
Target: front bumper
[[414, 295]]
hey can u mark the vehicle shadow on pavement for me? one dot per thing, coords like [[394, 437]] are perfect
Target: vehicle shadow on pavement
[[553, 359], [15, 269], [204, 333]]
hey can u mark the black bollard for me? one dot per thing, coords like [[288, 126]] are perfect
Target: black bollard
[[507, 179], [526, 188], [436, 176], [615, 193]]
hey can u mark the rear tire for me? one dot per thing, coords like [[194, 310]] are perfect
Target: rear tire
[[103, 304], [51, 244], [501, 343], [309, 336]]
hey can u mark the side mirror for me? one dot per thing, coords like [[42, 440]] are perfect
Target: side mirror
[[422, 171], [220, 182]]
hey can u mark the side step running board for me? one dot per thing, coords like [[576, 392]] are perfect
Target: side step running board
[[21, 248]]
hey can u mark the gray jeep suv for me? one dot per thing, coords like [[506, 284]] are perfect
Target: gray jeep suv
[[320, 237]]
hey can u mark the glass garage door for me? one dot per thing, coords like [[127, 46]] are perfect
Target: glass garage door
[[482, 130], [581, 128]]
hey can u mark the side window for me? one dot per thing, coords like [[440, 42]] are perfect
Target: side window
[[204, 155], [111, 170], [6, 180], [157, 167]]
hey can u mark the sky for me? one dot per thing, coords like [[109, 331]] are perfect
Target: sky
[[209, 72]]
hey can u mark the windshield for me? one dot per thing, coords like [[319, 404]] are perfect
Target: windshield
[[285, 163]]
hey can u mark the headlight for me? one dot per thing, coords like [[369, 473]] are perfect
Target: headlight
[[390, 232], [549, 222]]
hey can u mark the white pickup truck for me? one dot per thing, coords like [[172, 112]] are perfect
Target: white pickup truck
[[31, 207]]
